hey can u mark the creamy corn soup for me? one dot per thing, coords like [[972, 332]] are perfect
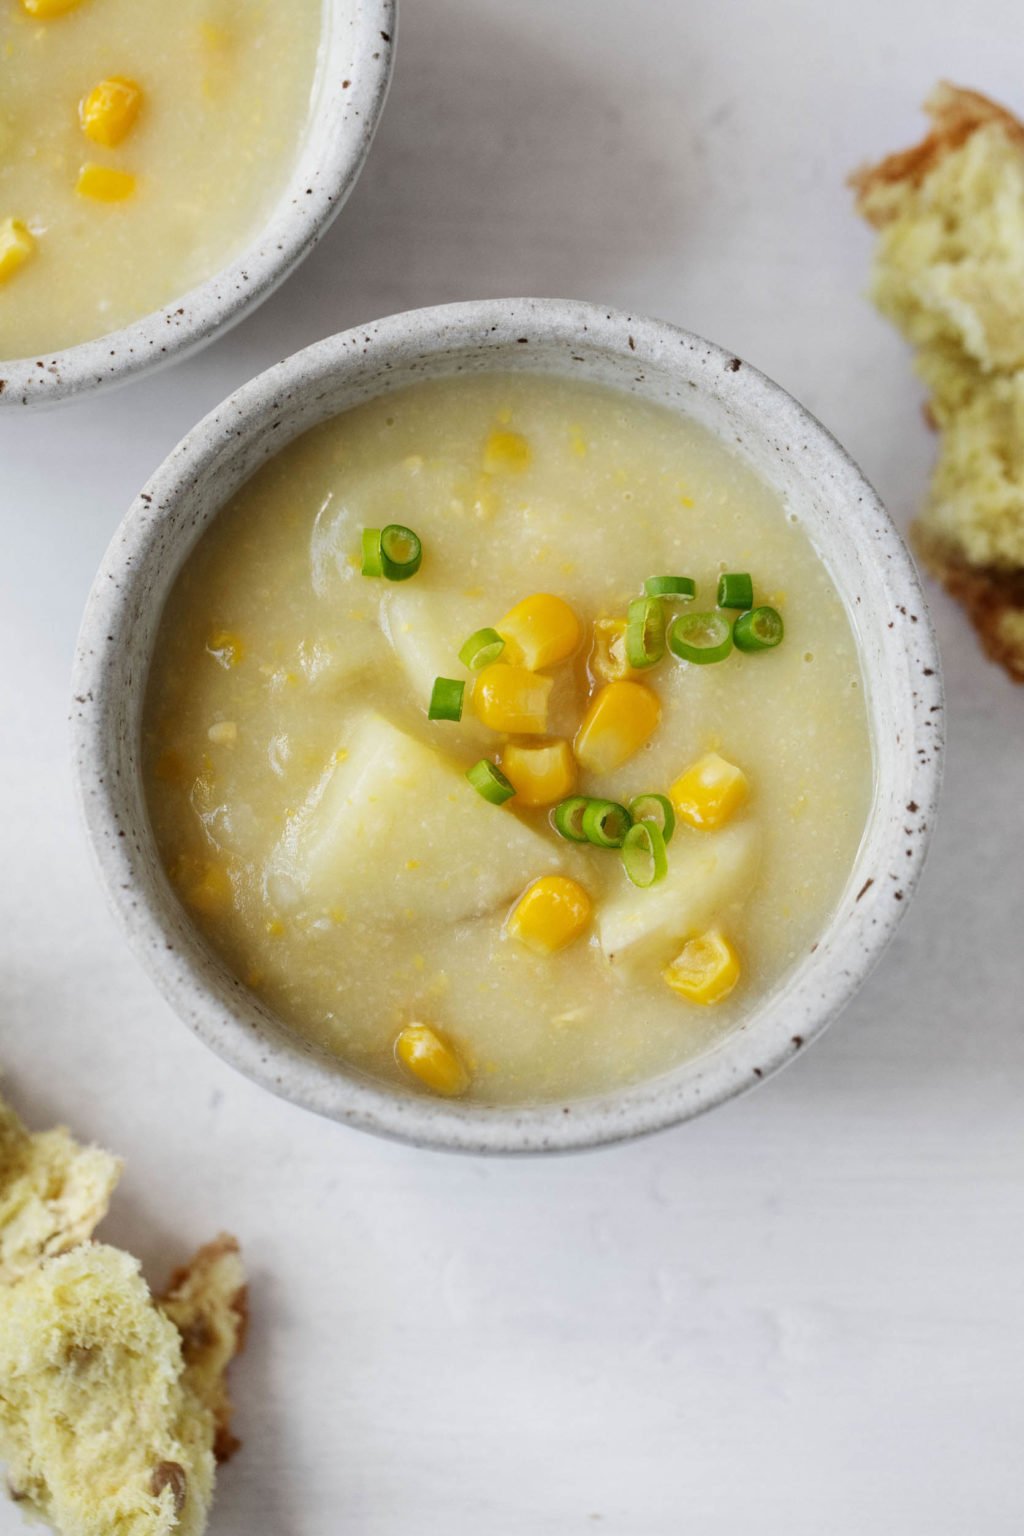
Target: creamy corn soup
[[142, 145], [630, 815]]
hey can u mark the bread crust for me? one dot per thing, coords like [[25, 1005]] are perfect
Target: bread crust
[[991, 594], [993, 599], [956, 113], [208, 1301]]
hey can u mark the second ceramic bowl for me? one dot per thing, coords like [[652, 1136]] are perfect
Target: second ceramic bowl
[[351, 86], [780, 440]]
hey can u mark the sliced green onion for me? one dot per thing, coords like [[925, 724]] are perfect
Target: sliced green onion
[[568, 818], [605, 823], [401, 552], [670, 586], [446, 699], [482, 647], [643, 854], [656, 809], [645, 632], [488, 780], [371, 552], [700, 637], [760, 630], [735, 590]]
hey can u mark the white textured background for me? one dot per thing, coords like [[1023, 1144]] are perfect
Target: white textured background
[[800, 1316]]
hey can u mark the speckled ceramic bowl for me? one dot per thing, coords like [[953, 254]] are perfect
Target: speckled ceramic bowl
[[353, 74], [784, 444]]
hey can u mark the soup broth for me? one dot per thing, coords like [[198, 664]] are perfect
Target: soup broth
[[320, 828], [140, 150]]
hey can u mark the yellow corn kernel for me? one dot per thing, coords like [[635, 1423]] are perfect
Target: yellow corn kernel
[[550, 914], [621, 717], [108, 113], [226, 647], [432, 1060], [705, 970], [540, 631], [104, 184], [48, 7], [509, 698], [211, 893], [541, 774], [507, 451], [17, 243], [608, 661], [709, 792]]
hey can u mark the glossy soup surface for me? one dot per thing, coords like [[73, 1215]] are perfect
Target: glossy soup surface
[[225, 92], [356, 881]]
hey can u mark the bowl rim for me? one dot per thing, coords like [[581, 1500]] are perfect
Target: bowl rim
[[318, 185], [231, 1024]]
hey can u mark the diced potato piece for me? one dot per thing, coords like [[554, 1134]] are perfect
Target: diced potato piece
[[508, 451], [223, 733], [394, 831], [104, 183], [706, 969], [550, 915], [17, 243], [706, 876], [431, 1059], [608, 660], [622, 716], [541, 774], [107, 114], [512, 699], [426, 629], [540, 631], [709, 792]]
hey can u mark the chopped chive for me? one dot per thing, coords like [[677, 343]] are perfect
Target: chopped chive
[[643, 854], [645, 632], [371, 552], [568, 818], [605, 823], [446, 699], [401, 552], [670, 586], [760, 630], [482, 647], [488, 780], [735, 590], [657, 809], [700, 637]]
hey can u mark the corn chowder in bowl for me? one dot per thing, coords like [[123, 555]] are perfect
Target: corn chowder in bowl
[[155, 181], [513, 714]]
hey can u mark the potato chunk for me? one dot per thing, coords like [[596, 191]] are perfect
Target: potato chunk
[[426, 629], [707, 874], [394, 832]]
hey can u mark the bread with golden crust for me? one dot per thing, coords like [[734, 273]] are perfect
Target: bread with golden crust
[[949, 272], [114, 1405]]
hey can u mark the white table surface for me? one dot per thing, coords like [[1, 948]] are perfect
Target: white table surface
[[799, 1315]]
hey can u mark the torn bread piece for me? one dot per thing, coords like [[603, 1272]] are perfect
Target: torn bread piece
[[207, 1301], [98, 1428], [53, 1193], [949, 272], [114, 1405]]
